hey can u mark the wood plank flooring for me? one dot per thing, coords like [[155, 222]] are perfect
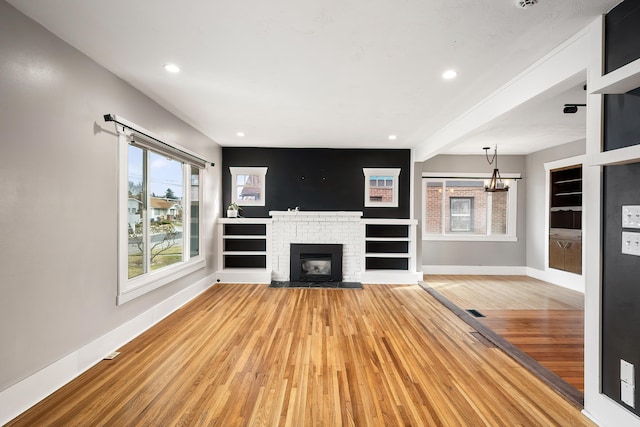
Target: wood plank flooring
[[254, 356], [543, 320]]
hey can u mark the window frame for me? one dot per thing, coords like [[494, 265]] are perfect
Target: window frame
[[394, 173], [131, 288], [248, 170], [512, 210]]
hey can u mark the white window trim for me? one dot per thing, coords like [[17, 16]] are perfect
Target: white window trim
[[261, 171], [512, 212], [129, 289], [368, 173]]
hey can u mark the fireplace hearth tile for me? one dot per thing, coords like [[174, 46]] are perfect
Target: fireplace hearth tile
[[323, 285]]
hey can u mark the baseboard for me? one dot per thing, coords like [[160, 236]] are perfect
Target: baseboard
[[567, 280], [244, 275], [391, 277], [26, 393], [483, 270]]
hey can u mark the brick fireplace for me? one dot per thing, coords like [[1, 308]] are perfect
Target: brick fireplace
[[301, 227]]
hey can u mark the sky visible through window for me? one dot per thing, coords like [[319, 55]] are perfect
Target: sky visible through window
[[164, 173]]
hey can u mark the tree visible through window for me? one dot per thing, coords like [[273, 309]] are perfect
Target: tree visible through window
[[156, 229]]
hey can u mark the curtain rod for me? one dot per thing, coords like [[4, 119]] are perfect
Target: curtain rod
[[111, 118], [488, 176]]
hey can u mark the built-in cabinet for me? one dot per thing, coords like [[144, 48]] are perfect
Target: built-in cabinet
[[256, 250], [387, 246], [565, 219], [244, 249]]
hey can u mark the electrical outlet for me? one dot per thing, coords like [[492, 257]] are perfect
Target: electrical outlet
[[627, 394], [630, 216], [627, 372], [631, 243]]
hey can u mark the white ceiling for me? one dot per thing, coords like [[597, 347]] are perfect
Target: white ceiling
[[301, 73]]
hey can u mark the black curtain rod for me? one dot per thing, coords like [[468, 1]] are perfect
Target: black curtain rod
[[465, 177], [110, 118]]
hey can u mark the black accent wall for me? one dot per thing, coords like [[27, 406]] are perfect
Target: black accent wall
[[621, 113], [621, 186], [622, 38], [621, 280], [318, 179]]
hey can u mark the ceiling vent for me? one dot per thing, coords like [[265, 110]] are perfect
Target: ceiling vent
[[525, 4]]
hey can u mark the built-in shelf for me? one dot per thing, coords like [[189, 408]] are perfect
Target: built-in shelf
[[565, 219], [621, 80], [388, 249], [386, 255], [570, 193], [389, 246], [244, 255], [566, 208]]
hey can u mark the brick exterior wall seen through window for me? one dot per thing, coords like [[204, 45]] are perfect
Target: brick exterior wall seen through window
[[435, 205], [381, 194]]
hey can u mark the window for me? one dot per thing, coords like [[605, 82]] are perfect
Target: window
[[461, 212], [160, 221], [381, 187], [248, 185], [460, 209]]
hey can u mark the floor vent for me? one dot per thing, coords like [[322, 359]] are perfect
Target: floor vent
[[475, 313]]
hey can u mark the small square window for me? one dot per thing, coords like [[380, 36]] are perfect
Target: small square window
[[381, 187], [248, 185]]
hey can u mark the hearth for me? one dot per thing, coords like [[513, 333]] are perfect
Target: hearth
[[316, 262]]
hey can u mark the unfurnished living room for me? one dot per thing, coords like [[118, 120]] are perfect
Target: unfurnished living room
[[320, 213]]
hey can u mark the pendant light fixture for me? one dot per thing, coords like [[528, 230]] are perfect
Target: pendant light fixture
[[495, 184]]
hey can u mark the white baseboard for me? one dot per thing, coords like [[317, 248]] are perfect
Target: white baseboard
[[26, 393], [557, 277], [244, 275], [391, 277], [483, 270]]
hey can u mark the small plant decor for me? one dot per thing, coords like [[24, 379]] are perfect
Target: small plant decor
[[233, 209]]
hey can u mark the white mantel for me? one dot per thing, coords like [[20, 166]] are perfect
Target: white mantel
[[342, 227], [323, 214]]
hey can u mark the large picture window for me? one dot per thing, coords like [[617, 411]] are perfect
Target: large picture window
[[160, 222], [460, 209]]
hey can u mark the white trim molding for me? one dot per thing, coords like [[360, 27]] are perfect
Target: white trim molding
[[482, 270]]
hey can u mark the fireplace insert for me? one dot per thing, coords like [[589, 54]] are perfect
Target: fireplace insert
[[316, 262]]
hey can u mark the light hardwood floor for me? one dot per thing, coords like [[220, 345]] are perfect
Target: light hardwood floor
[[252, 355], [543, 320]]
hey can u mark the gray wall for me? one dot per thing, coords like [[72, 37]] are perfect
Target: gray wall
[[58, 209], [536, 198], [475, 253]]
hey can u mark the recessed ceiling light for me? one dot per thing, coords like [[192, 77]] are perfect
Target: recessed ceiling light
[[392, 137], [240, 134], [449, 74], [172, 68]]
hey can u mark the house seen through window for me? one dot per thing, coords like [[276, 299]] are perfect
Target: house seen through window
[[156, 224], [461, 207]]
